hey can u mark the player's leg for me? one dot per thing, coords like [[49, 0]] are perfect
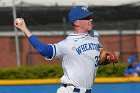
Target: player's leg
[[63, 89]]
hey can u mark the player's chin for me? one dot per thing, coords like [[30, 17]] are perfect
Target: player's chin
[[90, 28]]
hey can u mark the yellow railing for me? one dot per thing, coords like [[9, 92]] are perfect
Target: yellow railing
[[57, 81], [117, 80]]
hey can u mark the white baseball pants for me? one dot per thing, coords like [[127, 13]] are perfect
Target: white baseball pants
[[69, 89]]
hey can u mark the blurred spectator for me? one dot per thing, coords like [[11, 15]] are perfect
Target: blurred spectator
[[133, 68]]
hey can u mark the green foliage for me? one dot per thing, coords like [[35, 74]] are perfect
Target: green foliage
[[31, 72], [55, 71], [111, 71]]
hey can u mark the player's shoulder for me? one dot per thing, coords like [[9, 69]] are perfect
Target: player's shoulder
[[63, 41], [72, 37], [93, 33]]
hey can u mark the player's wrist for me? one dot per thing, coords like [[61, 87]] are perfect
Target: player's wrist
[[27, 32]]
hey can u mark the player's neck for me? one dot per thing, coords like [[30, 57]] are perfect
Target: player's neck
[[79, 31]]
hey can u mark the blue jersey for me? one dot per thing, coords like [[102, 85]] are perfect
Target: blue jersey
[[133, 70]]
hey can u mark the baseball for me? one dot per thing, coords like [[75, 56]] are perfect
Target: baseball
[[18, 21]]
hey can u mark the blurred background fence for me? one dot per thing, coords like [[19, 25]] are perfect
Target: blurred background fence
[[118, 26]]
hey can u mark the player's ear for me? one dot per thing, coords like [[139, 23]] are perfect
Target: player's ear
[[76, 23]]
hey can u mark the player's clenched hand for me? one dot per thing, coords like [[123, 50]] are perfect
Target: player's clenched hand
[[107, 57], [20, 24]]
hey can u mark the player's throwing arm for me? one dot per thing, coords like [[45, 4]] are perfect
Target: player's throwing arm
[[45, 50]]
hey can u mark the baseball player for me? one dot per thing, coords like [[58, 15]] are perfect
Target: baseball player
[[133, 68], [79, 51]]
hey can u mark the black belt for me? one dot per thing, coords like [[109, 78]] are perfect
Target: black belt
[[65, 85], [77, 89]]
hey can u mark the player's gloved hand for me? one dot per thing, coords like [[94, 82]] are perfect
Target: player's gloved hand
[[107, 57]]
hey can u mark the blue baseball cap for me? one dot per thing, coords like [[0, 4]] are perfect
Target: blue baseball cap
[[78, 12], [131, 60]]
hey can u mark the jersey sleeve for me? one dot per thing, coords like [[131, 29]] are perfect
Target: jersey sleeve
[[138, 67], [126, 71], [46, 50], [61, 48], [138, 64], [132, 70], [52, 52]]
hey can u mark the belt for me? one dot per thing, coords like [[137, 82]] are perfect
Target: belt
[[77, 89], [65, 85]]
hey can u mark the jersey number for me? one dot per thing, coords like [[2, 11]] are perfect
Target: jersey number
[[97, 59]]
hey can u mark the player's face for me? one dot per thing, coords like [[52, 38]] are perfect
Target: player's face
[[86, 23]]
